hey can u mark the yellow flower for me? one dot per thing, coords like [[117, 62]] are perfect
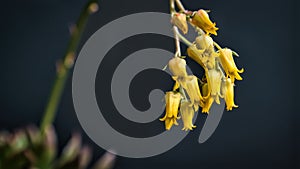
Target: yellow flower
[[177, 67], [207, 104], [191, 86], [229, 66], [187, 114], [228, 92], [214, 79], [201, 20], [206, 58], [211, 90], [172, 104], [204, 90], [204, 42], [196, 55], [179, 20]]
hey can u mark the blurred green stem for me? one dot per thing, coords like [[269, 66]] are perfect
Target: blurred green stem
[[66, 63]]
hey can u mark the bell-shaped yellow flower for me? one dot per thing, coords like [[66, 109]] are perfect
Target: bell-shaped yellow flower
[[229, 65], [187, 113], [228, 92], [214, 80], [204, 90], [191, 86], [208, 101], [172, 105], [177, 66], [204, 42], [196, 55], [206, 58], [201, 20], [179, 20]]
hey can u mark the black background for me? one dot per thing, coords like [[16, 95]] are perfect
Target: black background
[[262, 133]]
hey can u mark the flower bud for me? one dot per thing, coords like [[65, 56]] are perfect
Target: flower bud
[[201, 20], [179, 20], [177, 67], [204, 42]]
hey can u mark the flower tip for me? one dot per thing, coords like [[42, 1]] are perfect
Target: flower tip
[[94, 7], [214, 32], [241, 71], [229, 108], [162, 119], [235, 54], [237, 77], [205, 111]]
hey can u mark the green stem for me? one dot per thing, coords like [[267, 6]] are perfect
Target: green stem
[[65, 65], [217, 45], [184, 40], [177, 42]]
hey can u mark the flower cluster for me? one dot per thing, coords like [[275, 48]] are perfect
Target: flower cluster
[[189, 92]]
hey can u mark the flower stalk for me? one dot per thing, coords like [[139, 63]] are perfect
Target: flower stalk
[[66, 64], [179, 5]]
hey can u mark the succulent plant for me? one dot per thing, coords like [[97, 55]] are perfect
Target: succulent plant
[[30, 149]]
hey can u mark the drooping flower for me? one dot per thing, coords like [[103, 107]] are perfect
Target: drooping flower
[[172, 105], [201, 20], [204, 90], [196, 55], [179, 20], [214, 79], [204, 42], [177, 67], [229, 65], [191, 86], [228, 92], [211, 91], [187, 113], [208, 101], [206, 58]]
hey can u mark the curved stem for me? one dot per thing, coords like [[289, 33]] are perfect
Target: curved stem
[[175, 30], [177, 42], [172, 7], [184, 40], [179, 5], [64, 66], [217, 45]]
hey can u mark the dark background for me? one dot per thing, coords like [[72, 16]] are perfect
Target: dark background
[[262, 133]]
